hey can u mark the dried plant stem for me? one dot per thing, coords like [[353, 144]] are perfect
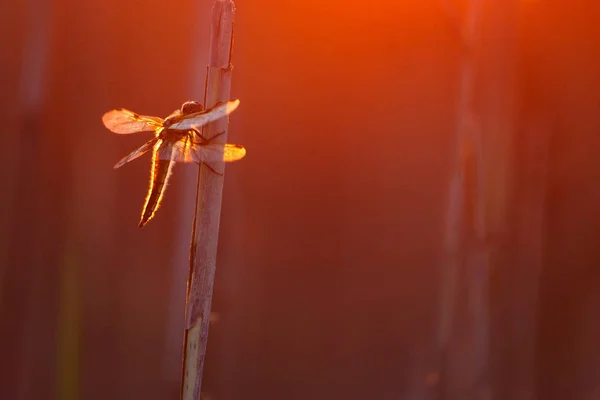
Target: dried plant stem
[[481, 187], [203, 250], [465, 229], [456, 201]]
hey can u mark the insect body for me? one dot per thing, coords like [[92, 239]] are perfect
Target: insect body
[[177, 138]]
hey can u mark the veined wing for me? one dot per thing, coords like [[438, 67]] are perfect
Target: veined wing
[[174, 114], [186, 151], [196, 120], [219, 152], [124, 121], [143, 149]]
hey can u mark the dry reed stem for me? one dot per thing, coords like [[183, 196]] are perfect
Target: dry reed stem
[[203, 249]]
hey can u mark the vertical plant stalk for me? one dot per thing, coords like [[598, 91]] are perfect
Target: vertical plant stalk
[[456, 202], [480, 190], [465, 221], [205, 230]]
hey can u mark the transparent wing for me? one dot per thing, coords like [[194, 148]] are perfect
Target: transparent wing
[[225, 152], [180, 151], [186, 151], [196, 120], [124, 121], [175, 114], [147, 146]]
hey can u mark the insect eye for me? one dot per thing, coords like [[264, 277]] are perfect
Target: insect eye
[[190, 107]]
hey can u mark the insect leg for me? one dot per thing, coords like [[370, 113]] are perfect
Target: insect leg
[[217, 135], [204, 139], [200, 135], [212, 169]]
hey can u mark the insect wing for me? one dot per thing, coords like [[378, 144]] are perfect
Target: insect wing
[[200, 119], [140, 151], [180, 151], [185, 151], [123, 121], [219, 152], [175, 114]]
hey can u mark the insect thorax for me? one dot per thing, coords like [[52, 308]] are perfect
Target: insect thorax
[[173, 135]]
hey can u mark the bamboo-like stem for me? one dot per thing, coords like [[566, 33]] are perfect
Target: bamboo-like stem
[[455, 212], [480, 189], [466, 209], [203, 249]]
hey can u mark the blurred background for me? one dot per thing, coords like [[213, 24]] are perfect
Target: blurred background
[[349, 264]]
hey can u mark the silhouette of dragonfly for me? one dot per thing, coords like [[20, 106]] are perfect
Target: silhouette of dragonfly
[[177, 138]]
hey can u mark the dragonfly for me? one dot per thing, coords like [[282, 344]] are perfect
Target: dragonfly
[[177, 138]]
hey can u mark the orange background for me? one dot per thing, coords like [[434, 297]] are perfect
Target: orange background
[[328, 266]]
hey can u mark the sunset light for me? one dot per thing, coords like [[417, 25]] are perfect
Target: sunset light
[[415, 216]]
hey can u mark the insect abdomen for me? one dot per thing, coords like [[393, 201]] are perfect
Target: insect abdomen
[[161, 170]]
